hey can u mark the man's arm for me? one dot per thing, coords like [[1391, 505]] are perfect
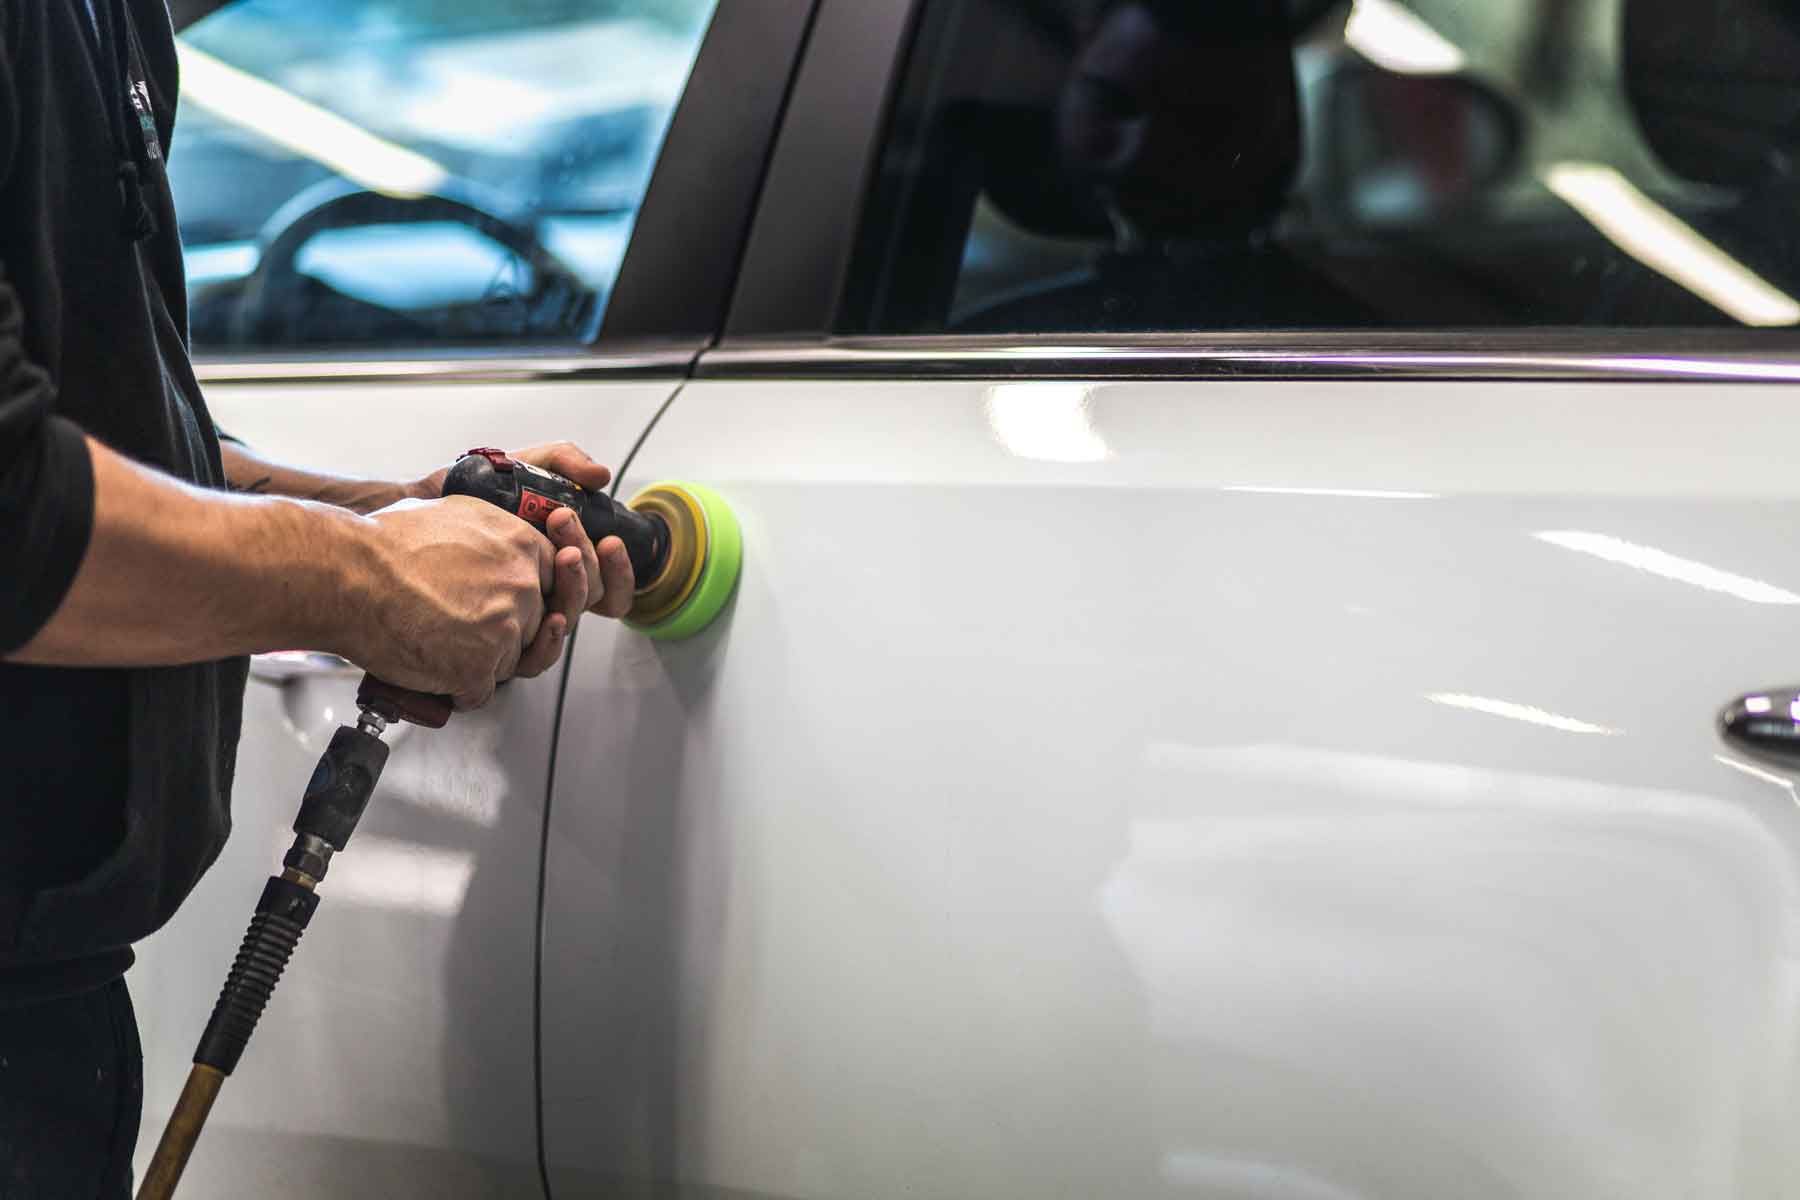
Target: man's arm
[[442, 596], [174, 574], [249, 472]]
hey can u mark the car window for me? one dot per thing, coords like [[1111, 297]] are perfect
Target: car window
[[1143, 165], [409, 174]]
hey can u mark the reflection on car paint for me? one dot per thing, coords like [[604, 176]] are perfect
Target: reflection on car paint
[[1530, 714], [1668, 566], [1052, 422]]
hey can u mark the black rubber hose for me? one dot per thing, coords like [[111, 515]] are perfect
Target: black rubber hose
[[281, 917]]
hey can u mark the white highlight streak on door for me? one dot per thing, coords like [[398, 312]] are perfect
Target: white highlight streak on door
[[1786, 785], [1669, 566], [1516, 712], [1335, 493], [1051, 422]]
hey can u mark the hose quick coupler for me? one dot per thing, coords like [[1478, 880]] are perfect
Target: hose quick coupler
[[340, 786]]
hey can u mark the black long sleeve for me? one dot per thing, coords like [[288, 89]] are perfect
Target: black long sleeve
[[46, 480], [46, 486]]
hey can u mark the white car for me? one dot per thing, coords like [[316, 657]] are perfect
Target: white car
[[1251, 515]]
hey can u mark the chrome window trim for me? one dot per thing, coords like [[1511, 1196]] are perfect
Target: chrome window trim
[[1692, 356], [512, 367]]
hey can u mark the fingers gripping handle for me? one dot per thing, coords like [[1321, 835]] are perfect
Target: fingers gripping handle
[[532, 494]]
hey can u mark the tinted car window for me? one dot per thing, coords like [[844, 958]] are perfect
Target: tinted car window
[[1071, 165], [403, 174]]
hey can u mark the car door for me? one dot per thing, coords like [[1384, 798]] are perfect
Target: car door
[[1219, 702], [406, 229]]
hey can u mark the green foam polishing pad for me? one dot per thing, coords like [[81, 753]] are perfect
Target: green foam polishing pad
[[721, 546]]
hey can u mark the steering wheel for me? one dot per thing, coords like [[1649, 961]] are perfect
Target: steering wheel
[[280, 305]]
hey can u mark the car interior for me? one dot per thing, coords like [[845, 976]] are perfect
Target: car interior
[[1139, 165], [357, 175]]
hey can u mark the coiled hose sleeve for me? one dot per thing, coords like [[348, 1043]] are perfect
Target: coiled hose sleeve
[[281, 917]]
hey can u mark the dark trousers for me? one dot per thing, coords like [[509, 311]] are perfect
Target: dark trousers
[[71, 1094]]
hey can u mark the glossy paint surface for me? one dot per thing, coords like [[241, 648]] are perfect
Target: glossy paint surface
[[1271, 789], [395, 1059]]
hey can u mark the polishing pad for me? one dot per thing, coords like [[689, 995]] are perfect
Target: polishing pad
[[705, 551]]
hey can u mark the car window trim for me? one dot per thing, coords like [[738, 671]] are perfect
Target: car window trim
[[1694, 356], [798, 252], [666, 359], [688, 240]]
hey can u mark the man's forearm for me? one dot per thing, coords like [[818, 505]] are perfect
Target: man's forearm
[[248, 472], [176, 574]]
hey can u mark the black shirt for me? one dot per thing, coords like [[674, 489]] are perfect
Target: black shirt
[[114, 784]]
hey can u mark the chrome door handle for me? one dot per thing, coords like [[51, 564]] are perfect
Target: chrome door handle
[[1765, 725], [282, 667]]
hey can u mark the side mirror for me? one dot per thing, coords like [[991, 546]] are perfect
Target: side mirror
[[1403, 151]]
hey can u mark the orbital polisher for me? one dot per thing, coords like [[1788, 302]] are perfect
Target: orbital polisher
[[685, 550]]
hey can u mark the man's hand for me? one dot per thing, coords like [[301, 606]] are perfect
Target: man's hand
[[585, 577], [456, 594], [605, 566]]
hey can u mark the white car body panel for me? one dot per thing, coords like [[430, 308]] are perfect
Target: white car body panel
[[1257, 788], [395, 1058]]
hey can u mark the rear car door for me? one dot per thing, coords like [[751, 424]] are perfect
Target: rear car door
[[406, 228], [1250, 516]]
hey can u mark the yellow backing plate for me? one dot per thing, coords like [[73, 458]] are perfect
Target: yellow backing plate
[[666, 593]]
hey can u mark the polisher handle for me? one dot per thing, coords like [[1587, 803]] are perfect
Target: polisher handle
[[532, 494], [403, 704]]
